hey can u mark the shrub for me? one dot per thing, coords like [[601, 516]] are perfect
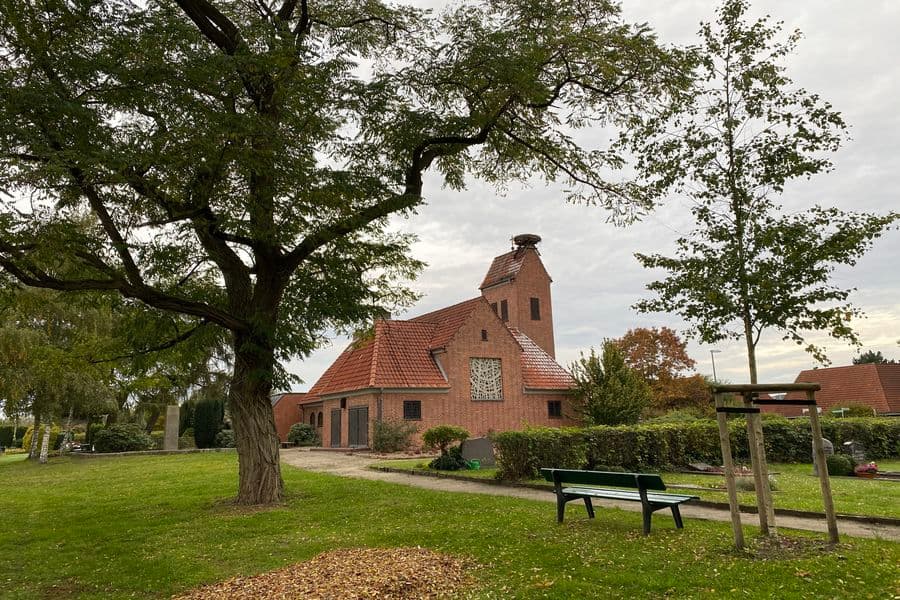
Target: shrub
[[122, 437], [159, 439], [607, 391], [92, 431], [661, 445], [521, 453], [392, 435], [209, 415], [225, 439], [440, 437], [186, 416], [55, 438], [6, 436], [839, 464], [303, 434], [186, 442], [451, 460]]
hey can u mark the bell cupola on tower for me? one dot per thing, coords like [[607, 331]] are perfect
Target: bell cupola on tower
[[518, 288]]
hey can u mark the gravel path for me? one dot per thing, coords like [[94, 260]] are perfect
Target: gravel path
[[355, 465]]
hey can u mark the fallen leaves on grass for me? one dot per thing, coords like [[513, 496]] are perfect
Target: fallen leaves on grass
[[357, 573]]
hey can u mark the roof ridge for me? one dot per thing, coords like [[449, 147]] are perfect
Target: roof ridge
[[422, 318]]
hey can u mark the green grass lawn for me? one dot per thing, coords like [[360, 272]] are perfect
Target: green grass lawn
[[796, 488], [148, 527], [9, 458]]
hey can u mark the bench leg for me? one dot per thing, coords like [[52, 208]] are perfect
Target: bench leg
[[647, 514], [676, 514], [560, 508], [589, 507]]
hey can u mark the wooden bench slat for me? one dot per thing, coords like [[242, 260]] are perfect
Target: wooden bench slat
[[626, 495], [649, 481]]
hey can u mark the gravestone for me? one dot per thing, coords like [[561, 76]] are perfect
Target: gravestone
[[856, 450], [479, 449], [170, 442], [829, 450]]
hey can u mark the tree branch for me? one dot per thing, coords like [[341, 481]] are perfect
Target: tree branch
[[163, 346]]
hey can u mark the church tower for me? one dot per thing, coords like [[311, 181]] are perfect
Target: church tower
[[518, 288]]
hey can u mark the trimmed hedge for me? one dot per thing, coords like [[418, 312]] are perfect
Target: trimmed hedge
[[662, 445]]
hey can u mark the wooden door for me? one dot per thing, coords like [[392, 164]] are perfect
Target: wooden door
[[336, 428], [359, 426]]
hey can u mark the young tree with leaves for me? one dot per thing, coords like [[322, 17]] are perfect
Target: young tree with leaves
[[267, 142], [607, 391], [731, 146]]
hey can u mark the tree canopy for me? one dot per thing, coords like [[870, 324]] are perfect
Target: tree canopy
[[730, 146], [607, 391], [236, 162]]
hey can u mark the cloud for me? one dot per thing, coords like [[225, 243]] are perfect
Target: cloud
[[848, 56]]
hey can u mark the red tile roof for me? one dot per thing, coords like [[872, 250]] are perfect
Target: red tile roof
[[505, 267], [399, 355], [448, 320], [539, 370], [877, 386], [294, 396]]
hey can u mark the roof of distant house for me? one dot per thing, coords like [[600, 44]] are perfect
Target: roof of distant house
[[875, 385], [276, 398], [398, 354]]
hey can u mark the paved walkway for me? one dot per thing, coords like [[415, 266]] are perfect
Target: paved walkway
[[355, 465]]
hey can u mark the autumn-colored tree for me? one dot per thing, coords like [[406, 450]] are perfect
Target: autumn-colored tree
[[661, 358], [655, 353]]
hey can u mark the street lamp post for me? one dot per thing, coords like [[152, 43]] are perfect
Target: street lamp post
[[712, 356]]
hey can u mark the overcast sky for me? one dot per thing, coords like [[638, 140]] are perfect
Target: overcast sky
[[850, 55]]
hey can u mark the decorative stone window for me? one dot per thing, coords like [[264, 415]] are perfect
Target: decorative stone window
[[486, 379]]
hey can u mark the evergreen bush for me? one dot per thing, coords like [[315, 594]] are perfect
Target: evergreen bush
[[839, 464], [303, 434], [209, 417], [225, 439], [122, 437], [451, 460], [392, 435]]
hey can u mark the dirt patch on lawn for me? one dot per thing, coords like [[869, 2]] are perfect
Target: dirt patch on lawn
[[357, 573]]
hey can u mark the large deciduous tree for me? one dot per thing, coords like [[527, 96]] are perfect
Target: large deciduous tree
[[266, 142], [661, 358], [731, 146]]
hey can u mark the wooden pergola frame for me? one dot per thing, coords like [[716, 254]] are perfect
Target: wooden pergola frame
[[765, 508]]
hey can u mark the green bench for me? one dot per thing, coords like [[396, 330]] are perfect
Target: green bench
[[587, 485]]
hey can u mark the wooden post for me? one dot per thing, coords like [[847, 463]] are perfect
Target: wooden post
[[756, 420], [729, 476], [753, 442], [824, 481]]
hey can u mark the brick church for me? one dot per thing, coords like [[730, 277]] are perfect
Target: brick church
[[486, 364]]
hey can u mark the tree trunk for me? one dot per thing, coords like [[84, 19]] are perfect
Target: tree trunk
[[751, 350], [67, 436], [12, 443], [254, 424], [45, 443], [32, 447]]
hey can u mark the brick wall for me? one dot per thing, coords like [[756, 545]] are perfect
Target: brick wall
[[287, 412], [532, 281]]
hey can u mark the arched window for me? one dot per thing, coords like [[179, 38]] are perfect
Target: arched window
[[312, 419], [321, 420]]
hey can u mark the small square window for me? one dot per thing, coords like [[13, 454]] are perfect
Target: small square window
[[554, 409], [535, 309], [412, 410]]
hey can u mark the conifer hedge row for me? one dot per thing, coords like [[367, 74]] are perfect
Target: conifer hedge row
[[666, 445]]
